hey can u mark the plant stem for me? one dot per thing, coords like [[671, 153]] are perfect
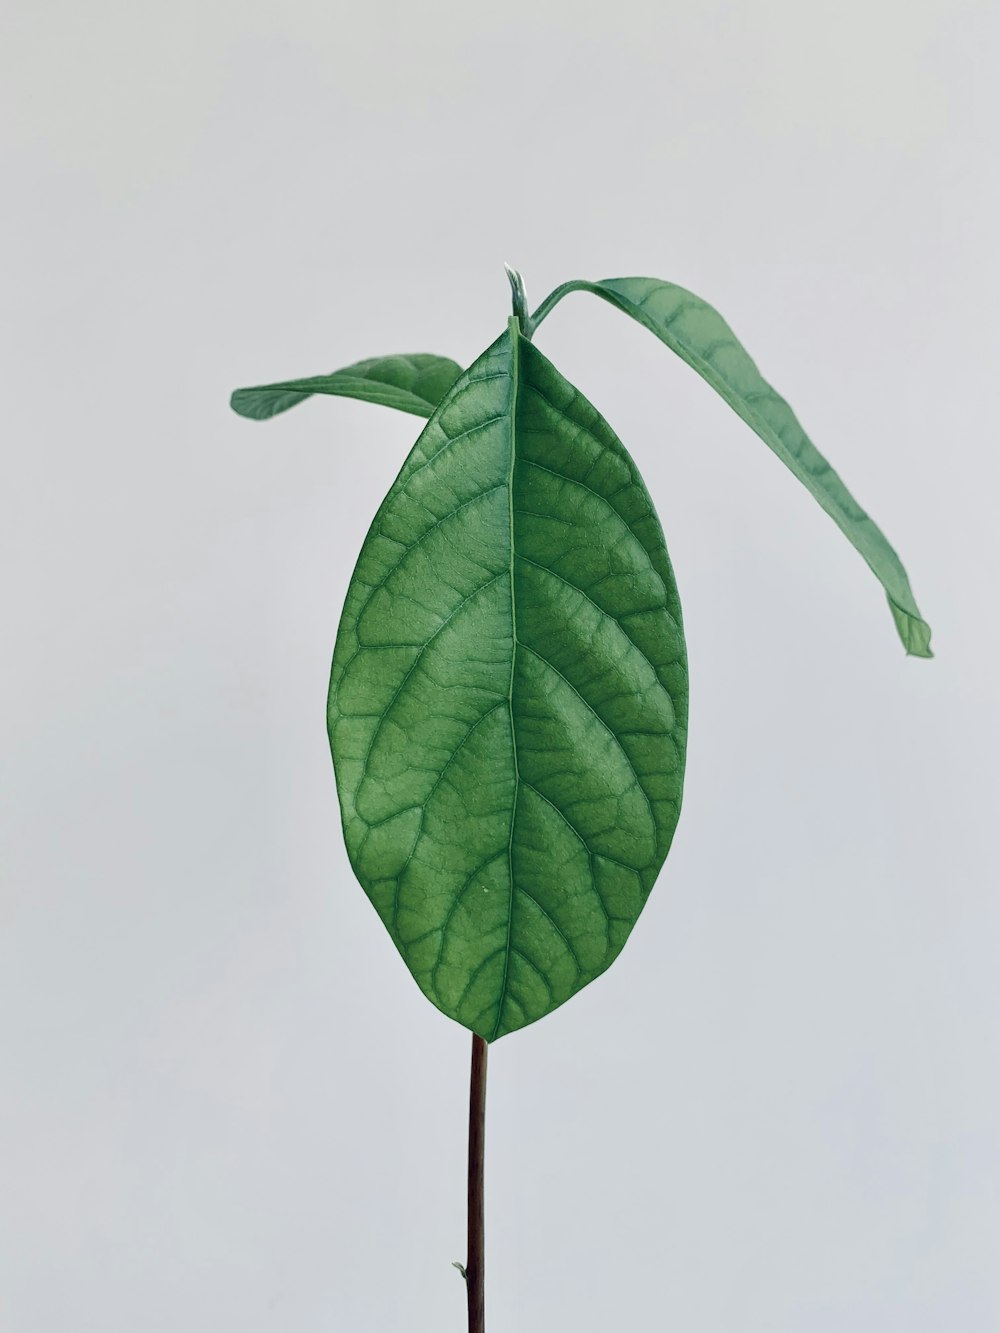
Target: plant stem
[[474, 1274], [554, 297]]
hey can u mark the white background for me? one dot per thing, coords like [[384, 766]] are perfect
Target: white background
[[224, 1105]]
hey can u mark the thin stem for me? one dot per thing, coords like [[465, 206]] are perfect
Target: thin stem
[[553, 299], [474, 1267]]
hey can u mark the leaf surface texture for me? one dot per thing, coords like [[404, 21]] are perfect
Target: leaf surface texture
[[414, 383], [700, 336], [508, 699]]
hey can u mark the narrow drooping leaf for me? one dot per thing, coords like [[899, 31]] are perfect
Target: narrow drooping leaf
[[508, 699], [414, 383], [700, 336]]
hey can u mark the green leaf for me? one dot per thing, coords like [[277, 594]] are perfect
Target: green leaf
[[415, 383], [701, 337], [508, 700]]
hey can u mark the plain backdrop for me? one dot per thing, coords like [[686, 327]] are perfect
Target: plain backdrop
[[224, 1105]]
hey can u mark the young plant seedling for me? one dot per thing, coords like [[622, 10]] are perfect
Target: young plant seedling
[[508, 701]]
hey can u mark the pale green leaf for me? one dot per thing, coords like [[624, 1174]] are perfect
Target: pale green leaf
[[414, 383], [508, 699], [700, 336]]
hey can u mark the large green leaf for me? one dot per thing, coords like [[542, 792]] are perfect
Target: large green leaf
[[414, 383], [701, 337], [508, 699]]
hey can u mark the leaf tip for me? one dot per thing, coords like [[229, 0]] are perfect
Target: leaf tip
[[913, 630], [238, 402]]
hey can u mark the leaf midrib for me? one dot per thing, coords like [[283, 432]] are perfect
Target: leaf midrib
[[514, 336]]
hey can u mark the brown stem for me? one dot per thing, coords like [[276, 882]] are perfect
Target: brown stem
[[477, 1143]]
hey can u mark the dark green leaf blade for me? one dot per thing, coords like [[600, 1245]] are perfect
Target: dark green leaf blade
[[508, 699], [700, 336], [415, 383]]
